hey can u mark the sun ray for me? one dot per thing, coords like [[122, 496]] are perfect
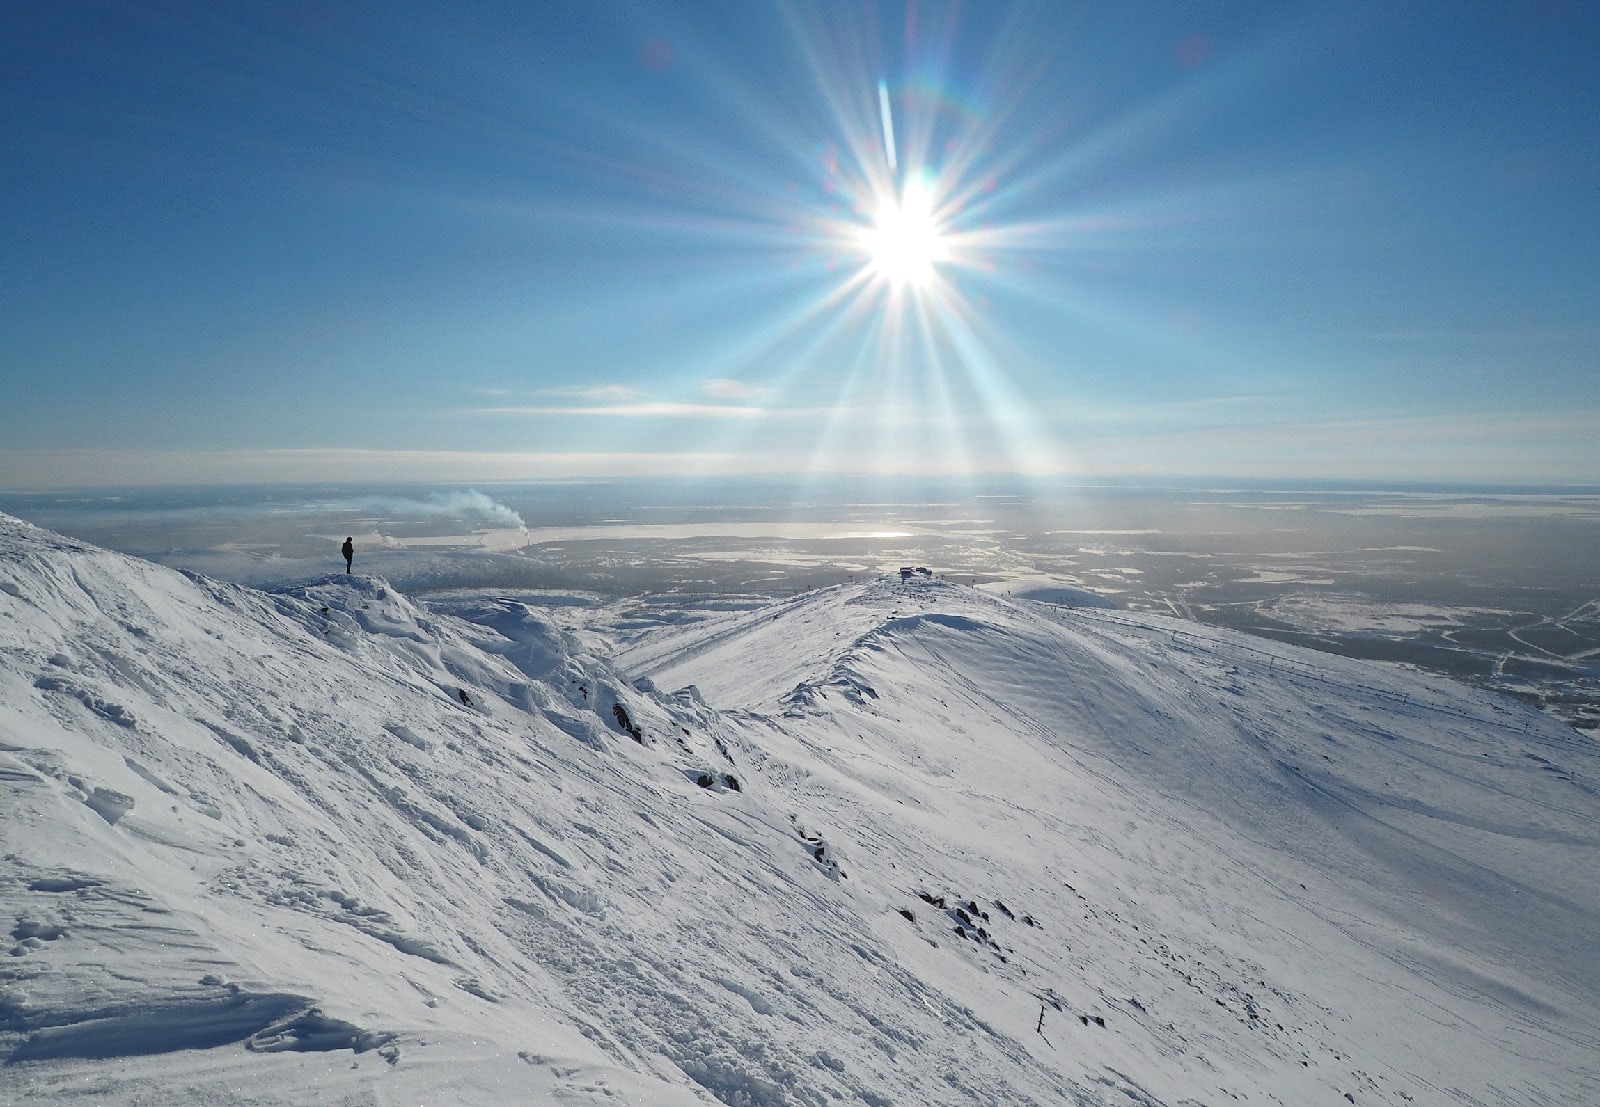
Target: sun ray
[[907, 213]]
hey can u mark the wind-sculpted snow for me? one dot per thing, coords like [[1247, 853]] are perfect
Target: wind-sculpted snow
[[891, 844]]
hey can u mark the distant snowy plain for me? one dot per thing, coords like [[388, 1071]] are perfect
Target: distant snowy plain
[[892, 842]]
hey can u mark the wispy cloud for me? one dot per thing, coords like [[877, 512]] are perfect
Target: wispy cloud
[[718, 398], [31, 469], [1500, 446], [597, 393], [657, 409], [1202, 409], [720, 388]]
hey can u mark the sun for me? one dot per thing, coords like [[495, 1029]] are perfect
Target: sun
[[906, 243]]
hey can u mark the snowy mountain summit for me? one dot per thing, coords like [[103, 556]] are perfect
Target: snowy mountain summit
[[899, 843]]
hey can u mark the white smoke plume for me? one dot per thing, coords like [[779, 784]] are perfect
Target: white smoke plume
[[470, 505]]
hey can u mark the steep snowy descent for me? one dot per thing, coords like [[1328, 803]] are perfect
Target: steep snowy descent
[[1412, 832], [906, 844], [1377, 775]]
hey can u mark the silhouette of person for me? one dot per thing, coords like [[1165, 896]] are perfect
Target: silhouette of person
[[349, 551]]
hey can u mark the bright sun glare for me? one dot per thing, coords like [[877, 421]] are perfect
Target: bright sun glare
[[905, 241]]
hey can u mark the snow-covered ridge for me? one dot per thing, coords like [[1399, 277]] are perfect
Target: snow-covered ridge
[[892, 843]]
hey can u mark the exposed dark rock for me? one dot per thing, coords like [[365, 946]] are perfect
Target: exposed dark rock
[[620, 713]]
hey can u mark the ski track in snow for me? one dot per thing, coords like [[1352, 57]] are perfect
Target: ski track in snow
[[896, 843]]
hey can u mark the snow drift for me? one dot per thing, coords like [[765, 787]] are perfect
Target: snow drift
[[893, 843]]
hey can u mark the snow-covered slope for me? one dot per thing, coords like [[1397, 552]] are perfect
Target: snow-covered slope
[[904, 843]]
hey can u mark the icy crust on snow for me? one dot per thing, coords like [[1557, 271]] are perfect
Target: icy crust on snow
[[894, 843]]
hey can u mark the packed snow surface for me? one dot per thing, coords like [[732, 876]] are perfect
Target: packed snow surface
[[895, 843]]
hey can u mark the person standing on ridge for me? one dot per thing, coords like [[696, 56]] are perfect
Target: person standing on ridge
[[349, 551]]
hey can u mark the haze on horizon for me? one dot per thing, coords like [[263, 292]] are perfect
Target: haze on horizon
[[616, 240]]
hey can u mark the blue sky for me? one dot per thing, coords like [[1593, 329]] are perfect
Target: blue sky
[[478, 241]]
